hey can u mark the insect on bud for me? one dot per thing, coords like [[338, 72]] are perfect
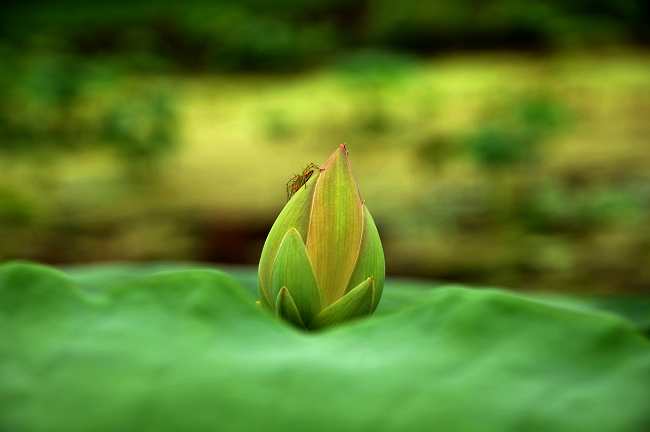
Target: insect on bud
[[322, 262]]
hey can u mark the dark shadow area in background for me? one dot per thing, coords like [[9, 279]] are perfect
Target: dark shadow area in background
[[254, 35]]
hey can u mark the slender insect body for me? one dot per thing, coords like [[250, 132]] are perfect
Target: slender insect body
[[299, 180]]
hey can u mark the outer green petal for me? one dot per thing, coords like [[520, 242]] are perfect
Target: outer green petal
[[335, 227], [292, 269], [286, 308], [294, 215], [356, 303], [371, 259]]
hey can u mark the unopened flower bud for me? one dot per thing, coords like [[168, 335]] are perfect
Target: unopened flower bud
[[322, 262]]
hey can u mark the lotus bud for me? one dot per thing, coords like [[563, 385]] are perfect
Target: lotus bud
[[322, 262]]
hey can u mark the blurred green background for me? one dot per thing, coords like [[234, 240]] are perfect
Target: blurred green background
[[499, 142]]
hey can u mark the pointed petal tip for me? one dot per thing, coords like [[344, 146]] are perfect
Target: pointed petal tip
[[286, 308], [294, 232], [341, 150]]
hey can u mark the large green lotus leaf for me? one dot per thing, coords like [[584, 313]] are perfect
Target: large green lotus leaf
[[188, 350], [401, 293]]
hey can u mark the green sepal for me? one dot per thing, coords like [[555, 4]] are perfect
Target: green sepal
[[371, 259], [286, 308], [292, 269], [295, 214], [357, 302]]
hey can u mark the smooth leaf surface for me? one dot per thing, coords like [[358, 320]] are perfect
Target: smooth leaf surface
[[401, 293], [189, 350]]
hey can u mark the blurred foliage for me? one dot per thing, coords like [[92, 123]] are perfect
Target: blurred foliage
[[289, 34], [374, 69], [16, 210], [551, 208], [53, 104], [461, 24], [137, 132], [278, 125], [142, 128], [514, 137]]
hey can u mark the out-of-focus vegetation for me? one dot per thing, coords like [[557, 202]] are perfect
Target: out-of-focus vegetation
[[132, 132], [288, 34]]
